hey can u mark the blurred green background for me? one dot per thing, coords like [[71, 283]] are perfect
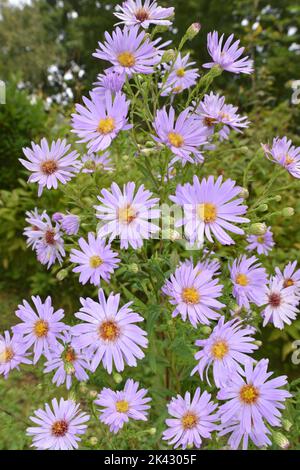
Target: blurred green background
[[47, 65]]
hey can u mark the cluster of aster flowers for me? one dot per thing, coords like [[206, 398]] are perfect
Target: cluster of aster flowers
[[107, 334]]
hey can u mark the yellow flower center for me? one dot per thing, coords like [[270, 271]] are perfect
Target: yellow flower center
[[109, 331], [122, 406], [261, 239], [177, 89], [49, 167], [189, 420], [95, 261], [41, 328], [59, 428], [207, 212], [249, 394], [175, 139], [190, 295], [219, 349], [106, 125], [288, 282], [242, 280], [126, 214], [6, 355], [180, 72], [126, 59], [289, 159]]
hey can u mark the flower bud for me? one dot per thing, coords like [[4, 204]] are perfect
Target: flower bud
[[288, 212], [258, 229], [286, 424], [133, 268], [244, 193], [147, 152], [57, 216], [278, 198], [125, 158], [263, 208], [82, 387], [93, 393], [169, 55], [193, 30], [258, 343], [281, 440], [93, 441], [117, 378], [152, 431], [206, 330], [62, 274], [72, 396]]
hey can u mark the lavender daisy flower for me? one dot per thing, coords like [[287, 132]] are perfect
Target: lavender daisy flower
[[50, 164], [249, 281], [290, 276], [127, 215], [209, 209], [284, 153], [118, 407], [130, 51], [193, 420], [101, 120], [96, 260], [226, 348], [109, 81], [68, 362], [213, 111], [258, 435], [194, 294], [70, 224], [109, 333], [33, 233], [209, 266], [227, 56], [183, 136], [253, 398], [12, 354], [261, 243], [281, 304], [41, 328], [135, 12], [181, 76], [59, 428], [93, 162]]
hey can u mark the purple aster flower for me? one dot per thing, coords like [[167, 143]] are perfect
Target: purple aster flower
[[290, 276], [109, 81], [130, 51], [59, 428], [137, 12], [226, 348], [50, 164], [284, 153], [183, 136], [109, 333], [213, 111], [192, 420], [41, 328], [101, 120], [227, 56], [194, 294], [127, 215], [281, 304], [33, 233], [209, 209], [12, 354], [96, 260], [118, 407], [209, 266], [94, 162], [253, 398], [261, 243], [68, 362], [249, 281], [181, 76], [258, 435], [70, 224]]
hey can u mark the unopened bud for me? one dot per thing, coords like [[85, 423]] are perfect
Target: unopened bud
[[152, 431], [244, 193], [93, 441], [206, 330], [281, 440], [258, 343], [72, 396], [62, 274], [286, 424], [278, 198], [117, 378], [258, 229], [169, 55], [93, 393], [147, 152], [263, 208], [82, 387], [133, 268], [125, 158], [193, 30], [288, 212]]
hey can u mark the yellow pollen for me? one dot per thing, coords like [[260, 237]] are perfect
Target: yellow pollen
[[207, 212], [288, 282], [126, 214], [261, 239], [175, 139], [6, 355], [49, 167], [41, 328], [219, 349], [242, 280], [289, 159], [59, 428], [180, 72], [177, 89], [190, 295], [95, 261], [109, 331], [249, 394], [106, 125], [189, 421], [122, 406], [225, 116], [126, 59]]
